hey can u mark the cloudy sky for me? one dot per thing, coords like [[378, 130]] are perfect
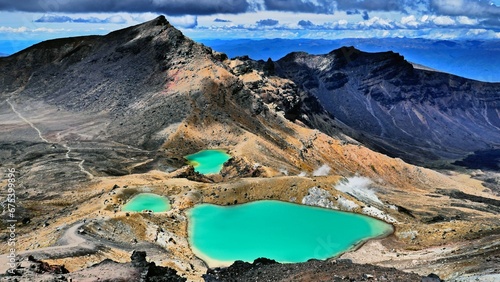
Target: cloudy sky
[[202, 19]]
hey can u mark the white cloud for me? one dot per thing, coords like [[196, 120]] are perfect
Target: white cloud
[[443, 21], [184, 21], [143, 17], [23, 29], [477, 8], [410, 21], [476, 31], [49, 30], [376, 22], [256, 5], [116, 19], [342, 22], [8, 29], [448, 6], [464, 20], [52, 18], [433, 19]]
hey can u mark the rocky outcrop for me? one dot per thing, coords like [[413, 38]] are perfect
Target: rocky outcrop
[[258, 76], [189, 173], [319, 197], [139, 269], [151, 272], [263, 269], [29, 269], [237, 167]]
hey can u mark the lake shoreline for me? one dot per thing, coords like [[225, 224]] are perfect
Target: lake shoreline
[[321, 242]]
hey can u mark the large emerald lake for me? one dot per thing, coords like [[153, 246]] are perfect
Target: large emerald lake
[[208, 161], [277, 230], [147, 201]]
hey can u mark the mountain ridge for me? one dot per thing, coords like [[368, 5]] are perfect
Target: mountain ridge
[[466, 58], [363, 90]]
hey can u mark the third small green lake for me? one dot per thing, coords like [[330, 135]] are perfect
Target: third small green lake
[[147, 201], [208, 161], [277, 230]]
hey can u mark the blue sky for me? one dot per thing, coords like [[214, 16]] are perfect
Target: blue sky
[[37, 20]]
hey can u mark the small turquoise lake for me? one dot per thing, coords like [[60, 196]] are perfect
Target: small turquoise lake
[[208, 161], [276, 230], [147, 201]]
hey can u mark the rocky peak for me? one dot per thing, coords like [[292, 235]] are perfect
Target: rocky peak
[[55, 58], [160, 20], [150, 28]]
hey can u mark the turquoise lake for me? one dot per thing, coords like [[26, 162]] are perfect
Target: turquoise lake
[[147, 201], [277, 230], [208, 161]]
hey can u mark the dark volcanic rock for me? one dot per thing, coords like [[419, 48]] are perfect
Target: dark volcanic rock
[[314, 270], [107, 270], [431, 278], [43, 267], [138, 259], [381, 100], [237, 269]]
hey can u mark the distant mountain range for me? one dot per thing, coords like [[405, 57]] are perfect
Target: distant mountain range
[[472, 59]]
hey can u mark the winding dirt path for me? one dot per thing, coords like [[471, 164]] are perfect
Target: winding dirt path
[[81, 161], [27, 121], [69, 244]]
